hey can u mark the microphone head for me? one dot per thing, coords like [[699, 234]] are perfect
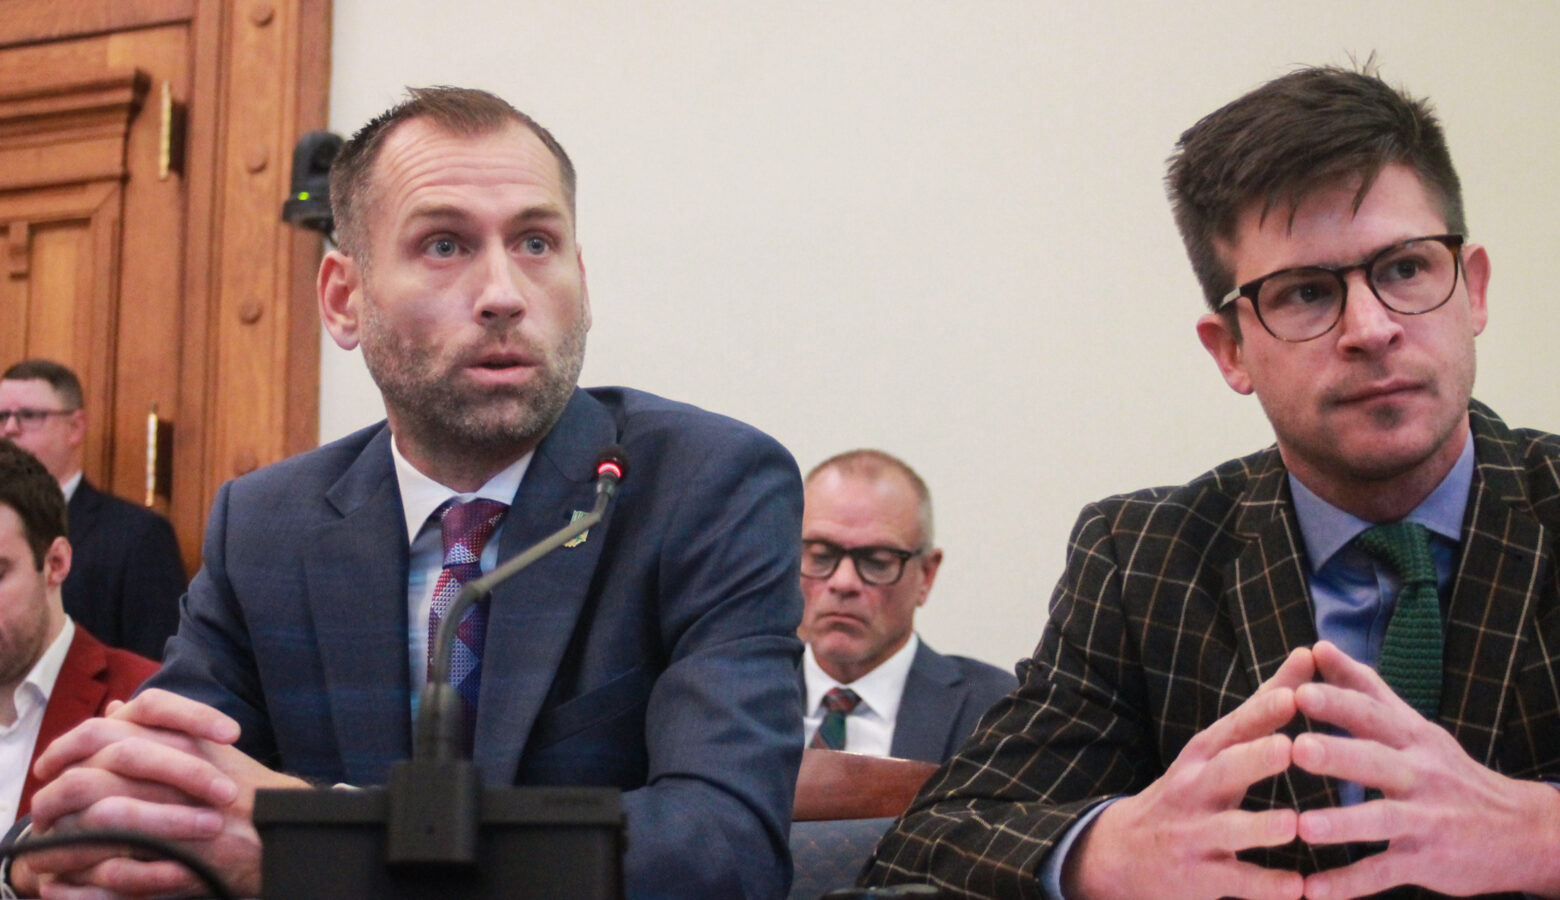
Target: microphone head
[[612, 463]]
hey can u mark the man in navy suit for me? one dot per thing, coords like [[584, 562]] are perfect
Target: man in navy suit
[[656, 655], [900, 697], [126, 576]]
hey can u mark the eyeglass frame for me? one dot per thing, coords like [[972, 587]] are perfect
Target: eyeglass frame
[[29, 419], [1251, 289], [856, 553]]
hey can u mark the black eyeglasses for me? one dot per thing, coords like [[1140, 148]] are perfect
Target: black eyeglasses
[[30, 419], [875, 565], [1304, 303]]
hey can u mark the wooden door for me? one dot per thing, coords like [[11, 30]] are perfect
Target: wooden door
[[144, 147]]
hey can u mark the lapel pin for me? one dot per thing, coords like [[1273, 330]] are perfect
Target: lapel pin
[[577, 515]]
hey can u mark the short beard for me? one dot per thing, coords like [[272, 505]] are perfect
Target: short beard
[[21, 649], [445, 418]]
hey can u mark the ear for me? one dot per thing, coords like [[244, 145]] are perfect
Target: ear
[[76, 425], [1224, 345], [929, 566], [56, 563], [1476, 273], [579, 258], [340, 293]]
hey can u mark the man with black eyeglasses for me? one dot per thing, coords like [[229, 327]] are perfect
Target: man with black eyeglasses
[[869, 683], [127, 577], [1328, 669]]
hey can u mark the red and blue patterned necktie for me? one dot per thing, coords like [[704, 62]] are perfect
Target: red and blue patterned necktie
[[466, 528]]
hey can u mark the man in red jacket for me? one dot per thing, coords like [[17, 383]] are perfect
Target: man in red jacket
[[53, 674]]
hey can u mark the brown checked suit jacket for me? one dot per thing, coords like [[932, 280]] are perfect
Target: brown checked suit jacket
[[1175, 604]]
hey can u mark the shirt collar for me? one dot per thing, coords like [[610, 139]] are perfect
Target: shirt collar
[[1327, 529], [69, 485], [880, 689], [46, 671], [421, 495]]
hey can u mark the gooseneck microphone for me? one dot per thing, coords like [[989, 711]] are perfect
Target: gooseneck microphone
[[434, 795]]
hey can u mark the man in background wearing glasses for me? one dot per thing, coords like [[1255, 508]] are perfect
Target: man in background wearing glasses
[[126, 578], [869, 683], [1328, 668]]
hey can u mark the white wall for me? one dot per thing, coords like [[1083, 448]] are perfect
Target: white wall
[[939, 227]]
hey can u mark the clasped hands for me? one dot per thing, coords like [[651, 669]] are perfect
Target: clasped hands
[[1452, 825], [160, 764]]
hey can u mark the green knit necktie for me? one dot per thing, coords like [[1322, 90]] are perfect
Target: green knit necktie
[[837, 703], [1411, 652]]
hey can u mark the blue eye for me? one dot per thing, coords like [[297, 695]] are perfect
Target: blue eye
[[444, 248], [536, 245]]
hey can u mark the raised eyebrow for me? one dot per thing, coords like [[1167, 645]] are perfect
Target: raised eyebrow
[[538, 215], [436, 212]]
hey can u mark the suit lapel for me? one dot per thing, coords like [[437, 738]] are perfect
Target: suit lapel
[[1268, 597], [533, 615], [1505, 560], [80, 690], [1266, 592], [355, 570], [928, 708], [82, 511]]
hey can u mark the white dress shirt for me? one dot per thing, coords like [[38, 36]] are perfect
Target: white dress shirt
[[18, 738], [69, 485], [870, 727]]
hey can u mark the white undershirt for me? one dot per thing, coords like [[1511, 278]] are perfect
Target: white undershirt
[[420, 496], [18, 738], [870, 728]]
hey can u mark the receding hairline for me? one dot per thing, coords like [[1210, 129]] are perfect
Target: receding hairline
[[458, 112], [374, 183], [874, 465]]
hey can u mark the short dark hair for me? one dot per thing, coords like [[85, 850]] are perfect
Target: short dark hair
[[462, 111], [33, 494], [62, 379], [869, 463], [1312, 128]]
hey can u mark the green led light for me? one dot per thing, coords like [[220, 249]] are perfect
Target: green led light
[[303, 195]]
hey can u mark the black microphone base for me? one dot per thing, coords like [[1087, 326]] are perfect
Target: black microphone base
[[533, 842], [433, 813]]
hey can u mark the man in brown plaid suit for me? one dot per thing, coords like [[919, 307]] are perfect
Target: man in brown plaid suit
[[1203, 717]]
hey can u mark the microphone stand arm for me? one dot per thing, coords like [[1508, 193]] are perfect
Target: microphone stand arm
[[439, 714], [435, 797]]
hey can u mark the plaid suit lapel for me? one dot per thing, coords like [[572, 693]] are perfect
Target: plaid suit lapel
[[1265, 589], [1268, 597], [1505, 560]]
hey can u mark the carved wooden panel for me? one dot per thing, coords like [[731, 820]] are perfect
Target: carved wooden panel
[[62, 166], [144, 147]]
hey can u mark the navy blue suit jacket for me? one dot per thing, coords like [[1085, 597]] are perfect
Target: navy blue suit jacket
[[658, 656], [126, 577], [944, 698]]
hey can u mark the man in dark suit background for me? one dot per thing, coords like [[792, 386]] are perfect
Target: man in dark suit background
[[656, 654], [869, 683], [53, 673], [1153, 747], [126, 576]]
